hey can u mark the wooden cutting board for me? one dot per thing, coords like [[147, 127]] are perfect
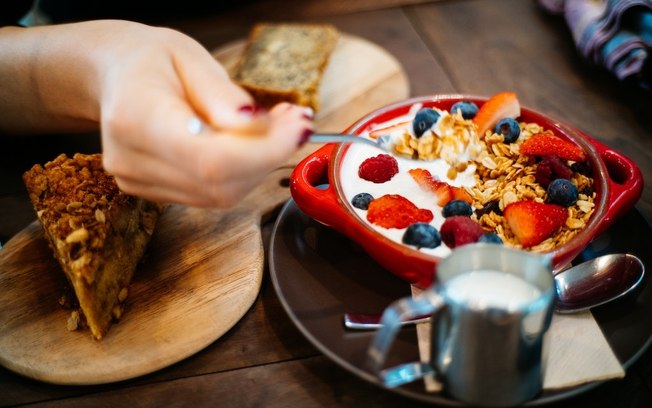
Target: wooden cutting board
[[203, 270]]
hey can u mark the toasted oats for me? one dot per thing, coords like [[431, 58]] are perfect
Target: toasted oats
[[452, 139], [503, 174]]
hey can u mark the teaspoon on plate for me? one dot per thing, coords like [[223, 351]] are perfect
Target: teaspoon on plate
[[581, 287]]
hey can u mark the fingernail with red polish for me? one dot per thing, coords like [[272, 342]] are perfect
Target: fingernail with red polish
[[305, 136], [250, 110]]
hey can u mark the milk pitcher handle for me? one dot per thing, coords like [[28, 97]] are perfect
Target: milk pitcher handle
[[428, 303]]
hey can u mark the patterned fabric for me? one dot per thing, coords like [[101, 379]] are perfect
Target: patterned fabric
[[614, 34]]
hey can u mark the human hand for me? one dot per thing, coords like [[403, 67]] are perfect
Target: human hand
[[155, 83]]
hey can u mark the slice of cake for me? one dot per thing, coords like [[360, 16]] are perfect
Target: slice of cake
[[98, 233], [285, 62]]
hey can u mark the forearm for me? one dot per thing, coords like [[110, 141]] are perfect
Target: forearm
[[50, 77]]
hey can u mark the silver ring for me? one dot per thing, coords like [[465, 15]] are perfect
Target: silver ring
[[195, 126]]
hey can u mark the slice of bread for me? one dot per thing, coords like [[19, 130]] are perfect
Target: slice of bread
[[285, 62]]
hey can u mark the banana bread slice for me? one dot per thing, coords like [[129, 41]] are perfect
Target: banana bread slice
[[285, 62], [98, 234]]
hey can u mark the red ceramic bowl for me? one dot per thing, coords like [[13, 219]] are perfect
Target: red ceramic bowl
[[617, 180]]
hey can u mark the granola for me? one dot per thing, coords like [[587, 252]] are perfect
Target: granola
[[487, 165], [504, 176]]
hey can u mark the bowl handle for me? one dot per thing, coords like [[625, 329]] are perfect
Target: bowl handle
[[314, 191], [625, 182]]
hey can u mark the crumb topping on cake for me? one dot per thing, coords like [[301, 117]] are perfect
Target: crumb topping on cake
[[98, 234], [73, 197]]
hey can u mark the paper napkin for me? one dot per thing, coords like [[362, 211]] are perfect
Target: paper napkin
[[578, 352]]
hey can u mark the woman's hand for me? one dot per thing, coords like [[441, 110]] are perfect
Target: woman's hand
[[148, 89]]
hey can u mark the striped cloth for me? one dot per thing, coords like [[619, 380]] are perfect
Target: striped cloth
[[614, 34]]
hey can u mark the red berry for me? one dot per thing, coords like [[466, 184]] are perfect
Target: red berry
[[551, 168], [460, 230], [428, 182], [378, 169], [544, 144], [533, 222], [396, 211], [501, 105]]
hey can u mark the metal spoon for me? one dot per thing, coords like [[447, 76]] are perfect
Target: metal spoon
[[581, 287], [382, 142]]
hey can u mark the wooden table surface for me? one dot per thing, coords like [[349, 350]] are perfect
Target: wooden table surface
[[457, 46]]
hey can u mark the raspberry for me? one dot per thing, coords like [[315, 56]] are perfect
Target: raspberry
[[378, 169], [460, 230], [396, 211], [551, 168]]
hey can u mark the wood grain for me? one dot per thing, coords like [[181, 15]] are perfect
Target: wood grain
[[202, 273], [204, 267], [539, 62], [444, 48]]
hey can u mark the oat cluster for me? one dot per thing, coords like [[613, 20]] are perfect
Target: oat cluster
[[72, 196], [504, 176], [454, 140]]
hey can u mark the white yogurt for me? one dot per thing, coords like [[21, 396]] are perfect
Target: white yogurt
[[402, 183], [487, 288]]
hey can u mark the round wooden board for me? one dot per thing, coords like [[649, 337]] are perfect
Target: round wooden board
[[202, 272], [204, 267]]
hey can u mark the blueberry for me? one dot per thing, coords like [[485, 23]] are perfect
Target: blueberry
[[457, 207], [490, 238], [562, 192], [468, 109], [423, 120], [422, 235], [509, 128], [362, 200]]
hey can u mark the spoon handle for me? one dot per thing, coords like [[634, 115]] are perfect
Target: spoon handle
[[362, 321], [340, 138]]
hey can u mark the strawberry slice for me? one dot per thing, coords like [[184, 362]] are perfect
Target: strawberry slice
[[461, 194], [532, 222], [376, 133], [396, 211], [545, 144], [502, 105], [442, 190]]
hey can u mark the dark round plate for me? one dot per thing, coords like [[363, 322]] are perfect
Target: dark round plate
[[319, 274]]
